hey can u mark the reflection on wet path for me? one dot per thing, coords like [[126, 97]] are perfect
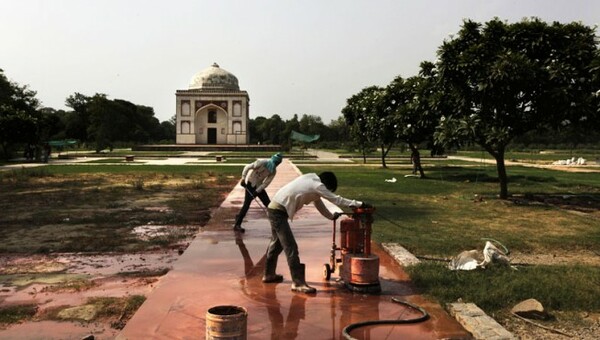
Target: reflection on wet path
[[222, 268]]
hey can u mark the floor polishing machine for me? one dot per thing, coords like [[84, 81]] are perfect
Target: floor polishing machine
[[352, 260]]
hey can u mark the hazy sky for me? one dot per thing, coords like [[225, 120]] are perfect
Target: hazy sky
[[293, 57]]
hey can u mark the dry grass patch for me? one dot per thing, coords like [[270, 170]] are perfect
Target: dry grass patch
[[98, 211]]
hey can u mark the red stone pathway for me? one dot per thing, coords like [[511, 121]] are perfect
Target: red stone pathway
[[220, 268]]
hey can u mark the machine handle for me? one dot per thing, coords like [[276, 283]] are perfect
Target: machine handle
[[363, 211]]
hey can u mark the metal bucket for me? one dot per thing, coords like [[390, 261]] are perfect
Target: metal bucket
[[226, 322]]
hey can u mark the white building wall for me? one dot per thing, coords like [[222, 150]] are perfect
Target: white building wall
[[188, 115]]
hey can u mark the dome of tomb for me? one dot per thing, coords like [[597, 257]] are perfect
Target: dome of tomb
[[214, 78]]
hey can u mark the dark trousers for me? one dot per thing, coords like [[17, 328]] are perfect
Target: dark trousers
[[250, 194], [282, 239]]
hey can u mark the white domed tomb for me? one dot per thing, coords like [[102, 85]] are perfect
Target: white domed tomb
[[212, 110]]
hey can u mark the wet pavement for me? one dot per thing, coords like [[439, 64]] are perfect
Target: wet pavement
[[223, 268]]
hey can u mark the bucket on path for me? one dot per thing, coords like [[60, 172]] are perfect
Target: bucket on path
[[226, 322]]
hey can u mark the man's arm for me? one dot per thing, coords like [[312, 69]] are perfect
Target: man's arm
[[266, 182], [323, 209], [336, 199]]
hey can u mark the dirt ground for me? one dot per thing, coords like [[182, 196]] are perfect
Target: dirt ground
[[79, 253]]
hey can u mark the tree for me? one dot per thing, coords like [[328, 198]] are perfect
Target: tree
[[312, 125], [414, 104], [503, 80], [267, 130], [50, 125], [339, 129], [290, 125], [167, 130], [19, 117], [359, 112], [253, 129], [273, 129], [77, 121], [104, 122]]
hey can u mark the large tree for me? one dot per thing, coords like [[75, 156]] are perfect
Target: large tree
[[507, 79], [19, 116], [362, 112], [312, 125], [77, 121], [414, 104], [339, 130]]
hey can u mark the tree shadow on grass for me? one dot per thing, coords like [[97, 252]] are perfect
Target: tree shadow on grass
[[583, 202], [461, 174], [400, 213]]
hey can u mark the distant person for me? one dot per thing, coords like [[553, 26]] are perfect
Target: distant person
[[308, 188], [256, 177], [415, 158], [28, 152]]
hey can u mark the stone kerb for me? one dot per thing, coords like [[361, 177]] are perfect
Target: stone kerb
[[479, 324]]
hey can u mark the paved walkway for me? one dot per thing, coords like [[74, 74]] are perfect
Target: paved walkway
[[326, 156], [222, 268]]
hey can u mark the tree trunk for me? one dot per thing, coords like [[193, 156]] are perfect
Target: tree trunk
[[501, 167], [383, 153]]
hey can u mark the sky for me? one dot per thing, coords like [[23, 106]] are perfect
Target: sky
[[292, 57]]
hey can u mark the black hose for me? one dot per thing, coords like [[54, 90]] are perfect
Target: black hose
[[353, 326]]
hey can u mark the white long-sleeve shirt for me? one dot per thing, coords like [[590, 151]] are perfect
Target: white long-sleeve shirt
[[307, 189], [257, 174]]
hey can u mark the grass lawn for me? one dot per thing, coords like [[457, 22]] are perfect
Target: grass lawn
[[455, 207]]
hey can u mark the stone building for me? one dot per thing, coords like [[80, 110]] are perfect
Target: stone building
[[213, 110]]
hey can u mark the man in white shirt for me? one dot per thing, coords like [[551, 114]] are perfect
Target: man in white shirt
[[308, 188], [256, 177]]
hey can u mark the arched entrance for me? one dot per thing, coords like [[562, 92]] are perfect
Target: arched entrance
[[211, 125]]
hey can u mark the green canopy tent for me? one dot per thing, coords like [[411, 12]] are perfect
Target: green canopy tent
[[304, 139], [61, 144]]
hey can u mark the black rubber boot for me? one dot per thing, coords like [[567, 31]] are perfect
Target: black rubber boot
[[299, 280], [270, 275]]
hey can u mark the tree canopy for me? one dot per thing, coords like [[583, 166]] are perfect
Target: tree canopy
[[362, 113], [19, 116], [503, 80]]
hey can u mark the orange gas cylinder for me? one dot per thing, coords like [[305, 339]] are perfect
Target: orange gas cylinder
[[352, 239]]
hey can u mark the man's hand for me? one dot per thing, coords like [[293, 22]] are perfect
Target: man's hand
[[366, 205], [337, 215]]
